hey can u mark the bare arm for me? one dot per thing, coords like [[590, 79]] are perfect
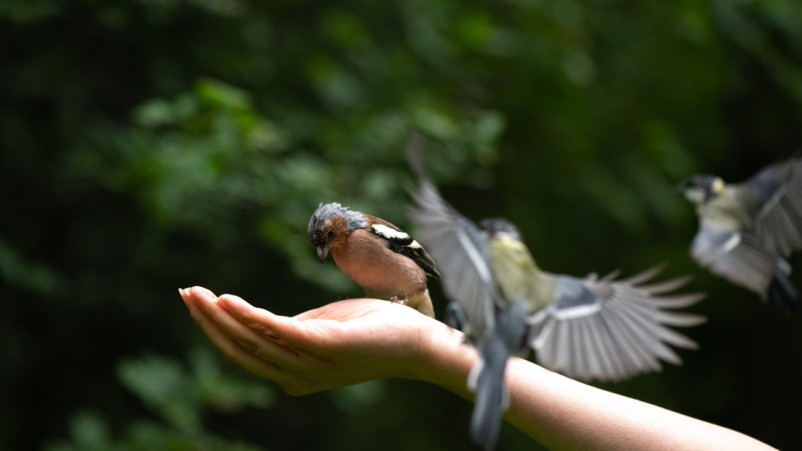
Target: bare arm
[[563, 414], [357, 340]]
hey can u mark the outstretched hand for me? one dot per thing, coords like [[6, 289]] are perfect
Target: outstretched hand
[[358, 340], [342, 343]]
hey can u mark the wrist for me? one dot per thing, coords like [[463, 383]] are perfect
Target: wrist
[[444, 358]]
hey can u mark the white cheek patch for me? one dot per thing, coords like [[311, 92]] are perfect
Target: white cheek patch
[[389, 233], [695, 195]]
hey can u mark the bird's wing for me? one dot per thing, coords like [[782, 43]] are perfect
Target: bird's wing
[[459, 249], [777, 192], [610, 330], [737, 255], [399, 241]]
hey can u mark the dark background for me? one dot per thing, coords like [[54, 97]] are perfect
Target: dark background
[[155, 144]]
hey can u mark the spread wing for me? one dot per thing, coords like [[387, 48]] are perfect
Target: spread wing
[[610, 330], [777, 191], [459, 249], [737, 256]]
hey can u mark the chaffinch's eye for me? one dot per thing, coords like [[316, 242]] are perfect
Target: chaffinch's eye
[[331, 233]]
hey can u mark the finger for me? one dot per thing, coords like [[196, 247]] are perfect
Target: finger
[[229, 347], [279, 329], [248, 338], [184, 293]]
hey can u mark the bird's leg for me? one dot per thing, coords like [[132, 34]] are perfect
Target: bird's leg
[[455, 317], [395, 300]]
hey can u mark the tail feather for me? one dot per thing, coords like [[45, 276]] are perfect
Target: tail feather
[[490, 394], [781, 293]]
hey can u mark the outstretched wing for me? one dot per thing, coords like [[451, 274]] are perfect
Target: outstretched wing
[[738, 256], [610, 330], [777, 193], [459, 249]]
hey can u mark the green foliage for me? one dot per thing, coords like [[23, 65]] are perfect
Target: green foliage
[[195, 159], [28, 276], [358, 398], [89, 432], [179, 398]]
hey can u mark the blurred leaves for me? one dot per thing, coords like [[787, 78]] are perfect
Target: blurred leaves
[[24, 275], [355, 399], [180, 398], [28, 11], [208, 154], [89, 432]]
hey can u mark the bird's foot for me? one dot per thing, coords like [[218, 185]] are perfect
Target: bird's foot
[[395, 300]]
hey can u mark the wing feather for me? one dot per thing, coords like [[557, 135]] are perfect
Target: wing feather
[[746, 263], [641, 326], [591, 354], [599, 349], [777, 191], [605, 329], [627, 334], [459, 249]]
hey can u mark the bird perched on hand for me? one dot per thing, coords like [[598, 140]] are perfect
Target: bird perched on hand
[[747, 230], [587, 328], [380, 257]]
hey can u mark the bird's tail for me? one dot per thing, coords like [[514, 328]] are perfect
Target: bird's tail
[[491, 393], [781, 293]]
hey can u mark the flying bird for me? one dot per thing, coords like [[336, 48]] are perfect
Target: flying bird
[[586, 328], [747, 230], [385, 261]]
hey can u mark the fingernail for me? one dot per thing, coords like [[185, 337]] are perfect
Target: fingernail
[[183, 297]]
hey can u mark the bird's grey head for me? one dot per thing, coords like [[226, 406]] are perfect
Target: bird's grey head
[[324, 228], [497, 226], [699, 189]]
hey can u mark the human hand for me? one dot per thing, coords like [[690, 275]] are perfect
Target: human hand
[[357, 340], [342, 343]]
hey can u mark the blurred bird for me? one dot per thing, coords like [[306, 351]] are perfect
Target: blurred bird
[[587, 328], [746, 230], [380, 257]]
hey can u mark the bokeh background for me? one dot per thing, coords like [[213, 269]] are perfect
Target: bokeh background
[[148, 145]]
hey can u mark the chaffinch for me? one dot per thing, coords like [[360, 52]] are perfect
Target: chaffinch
[[385, 261], [746, 230], [587, 328]]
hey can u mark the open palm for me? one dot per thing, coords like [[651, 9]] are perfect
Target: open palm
[[342, 343]]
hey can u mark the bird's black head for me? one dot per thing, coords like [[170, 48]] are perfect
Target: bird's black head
[[330, 224], [699, 189], [496, 226]]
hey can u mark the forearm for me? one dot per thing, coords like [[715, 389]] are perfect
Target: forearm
[[329, 347], [563, 414]]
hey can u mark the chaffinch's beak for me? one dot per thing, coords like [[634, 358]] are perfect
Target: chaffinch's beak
[[322, 252]]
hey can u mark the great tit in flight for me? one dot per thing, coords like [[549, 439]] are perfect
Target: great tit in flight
[[591, 328], [747, 230]]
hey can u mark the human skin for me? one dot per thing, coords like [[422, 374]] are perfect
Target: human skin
[[358, 340]]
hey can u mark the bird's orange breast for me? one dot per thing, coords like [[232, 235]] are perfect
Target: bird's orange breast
[[368, 261]]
